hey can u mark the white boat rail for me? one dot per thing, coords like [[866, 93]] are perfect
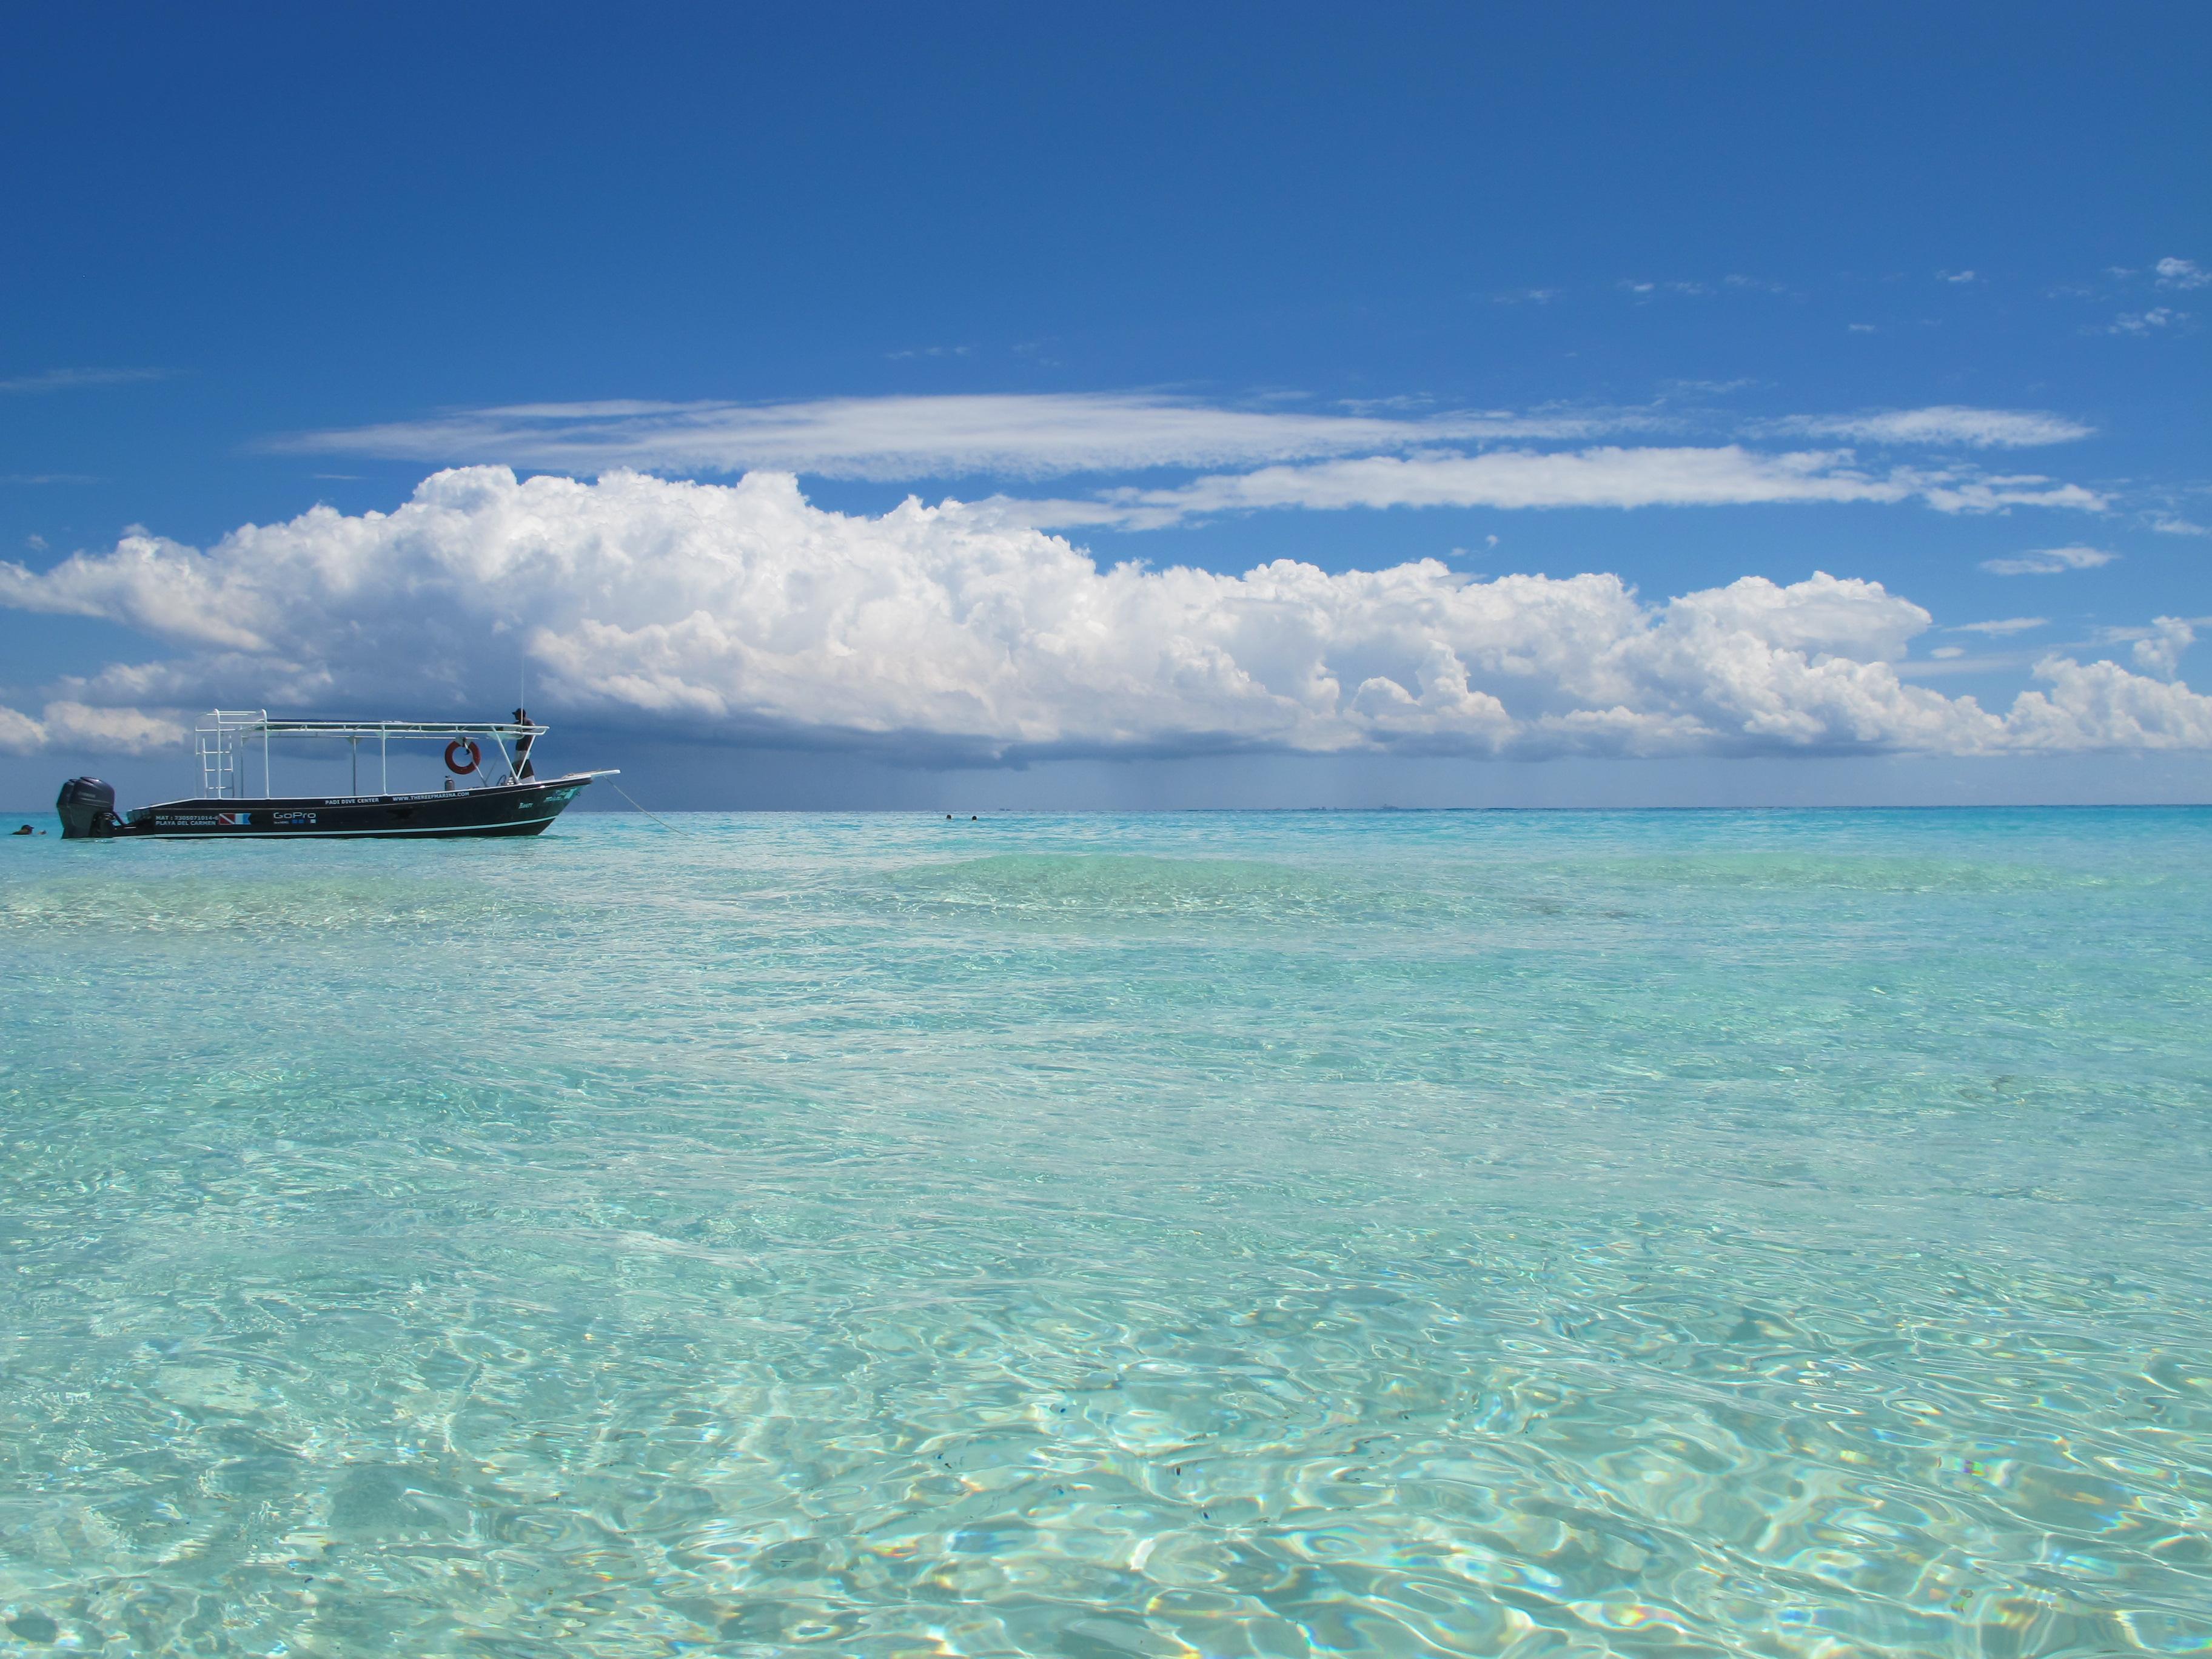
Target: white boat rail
[[224, 735]]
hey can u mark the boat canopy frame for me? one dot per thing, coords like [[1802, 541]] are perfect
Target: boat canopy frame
[[224, 737]]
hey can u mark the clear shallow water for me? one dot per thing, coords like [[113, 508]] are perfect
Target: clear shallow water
[[1683, 1234]]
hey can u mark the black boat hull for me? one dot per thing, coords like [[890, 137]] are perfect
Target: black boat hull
[[511, 809]]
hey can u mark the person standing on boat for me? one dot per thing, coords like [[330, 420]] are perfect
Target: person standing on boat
[[523, 768]]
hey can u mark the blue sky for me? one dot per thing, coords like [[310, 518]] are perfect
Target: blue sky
[[1914, 296]]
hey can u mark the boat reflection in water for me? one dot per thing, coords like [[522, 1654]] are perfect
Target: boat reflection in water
[[503, 797]]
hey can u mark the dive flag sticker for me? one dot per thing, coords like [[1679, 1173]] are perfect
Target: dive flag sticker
[[235, 820]]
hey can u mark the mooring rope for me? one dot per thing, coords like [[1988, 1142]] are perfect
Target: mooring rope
[[655, 817]]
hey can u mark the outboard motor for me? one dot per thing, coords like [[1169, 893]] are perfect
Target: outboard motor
[[523, 768], [87, 810]]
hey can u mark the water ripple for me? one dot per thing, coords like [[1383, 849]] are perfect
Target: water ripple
[[1499, 1234]]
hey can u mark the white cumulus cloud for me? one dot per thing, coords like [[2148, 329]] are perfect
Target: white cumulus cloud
[[953, 633], [2181, 273], [2003, 625], [66, 725], [19, 733], [2157, 648], [2099, 705]]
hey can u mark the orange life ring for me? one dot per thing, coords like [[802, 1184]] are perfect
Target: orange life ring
[[466, 745]]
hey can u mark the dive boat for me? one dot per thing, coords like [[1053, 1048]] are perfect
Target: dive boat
[[514, 802]]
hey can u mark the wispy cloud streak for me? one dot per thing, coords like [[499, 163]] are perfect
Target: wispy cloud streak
[[901, 438], [72, 380], [1943, 425], [2049, 561], [1019, 436], [1606, 477]]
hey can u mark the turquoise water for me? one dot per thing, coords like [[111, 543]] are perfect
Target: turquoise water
[[1666, 1233]]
